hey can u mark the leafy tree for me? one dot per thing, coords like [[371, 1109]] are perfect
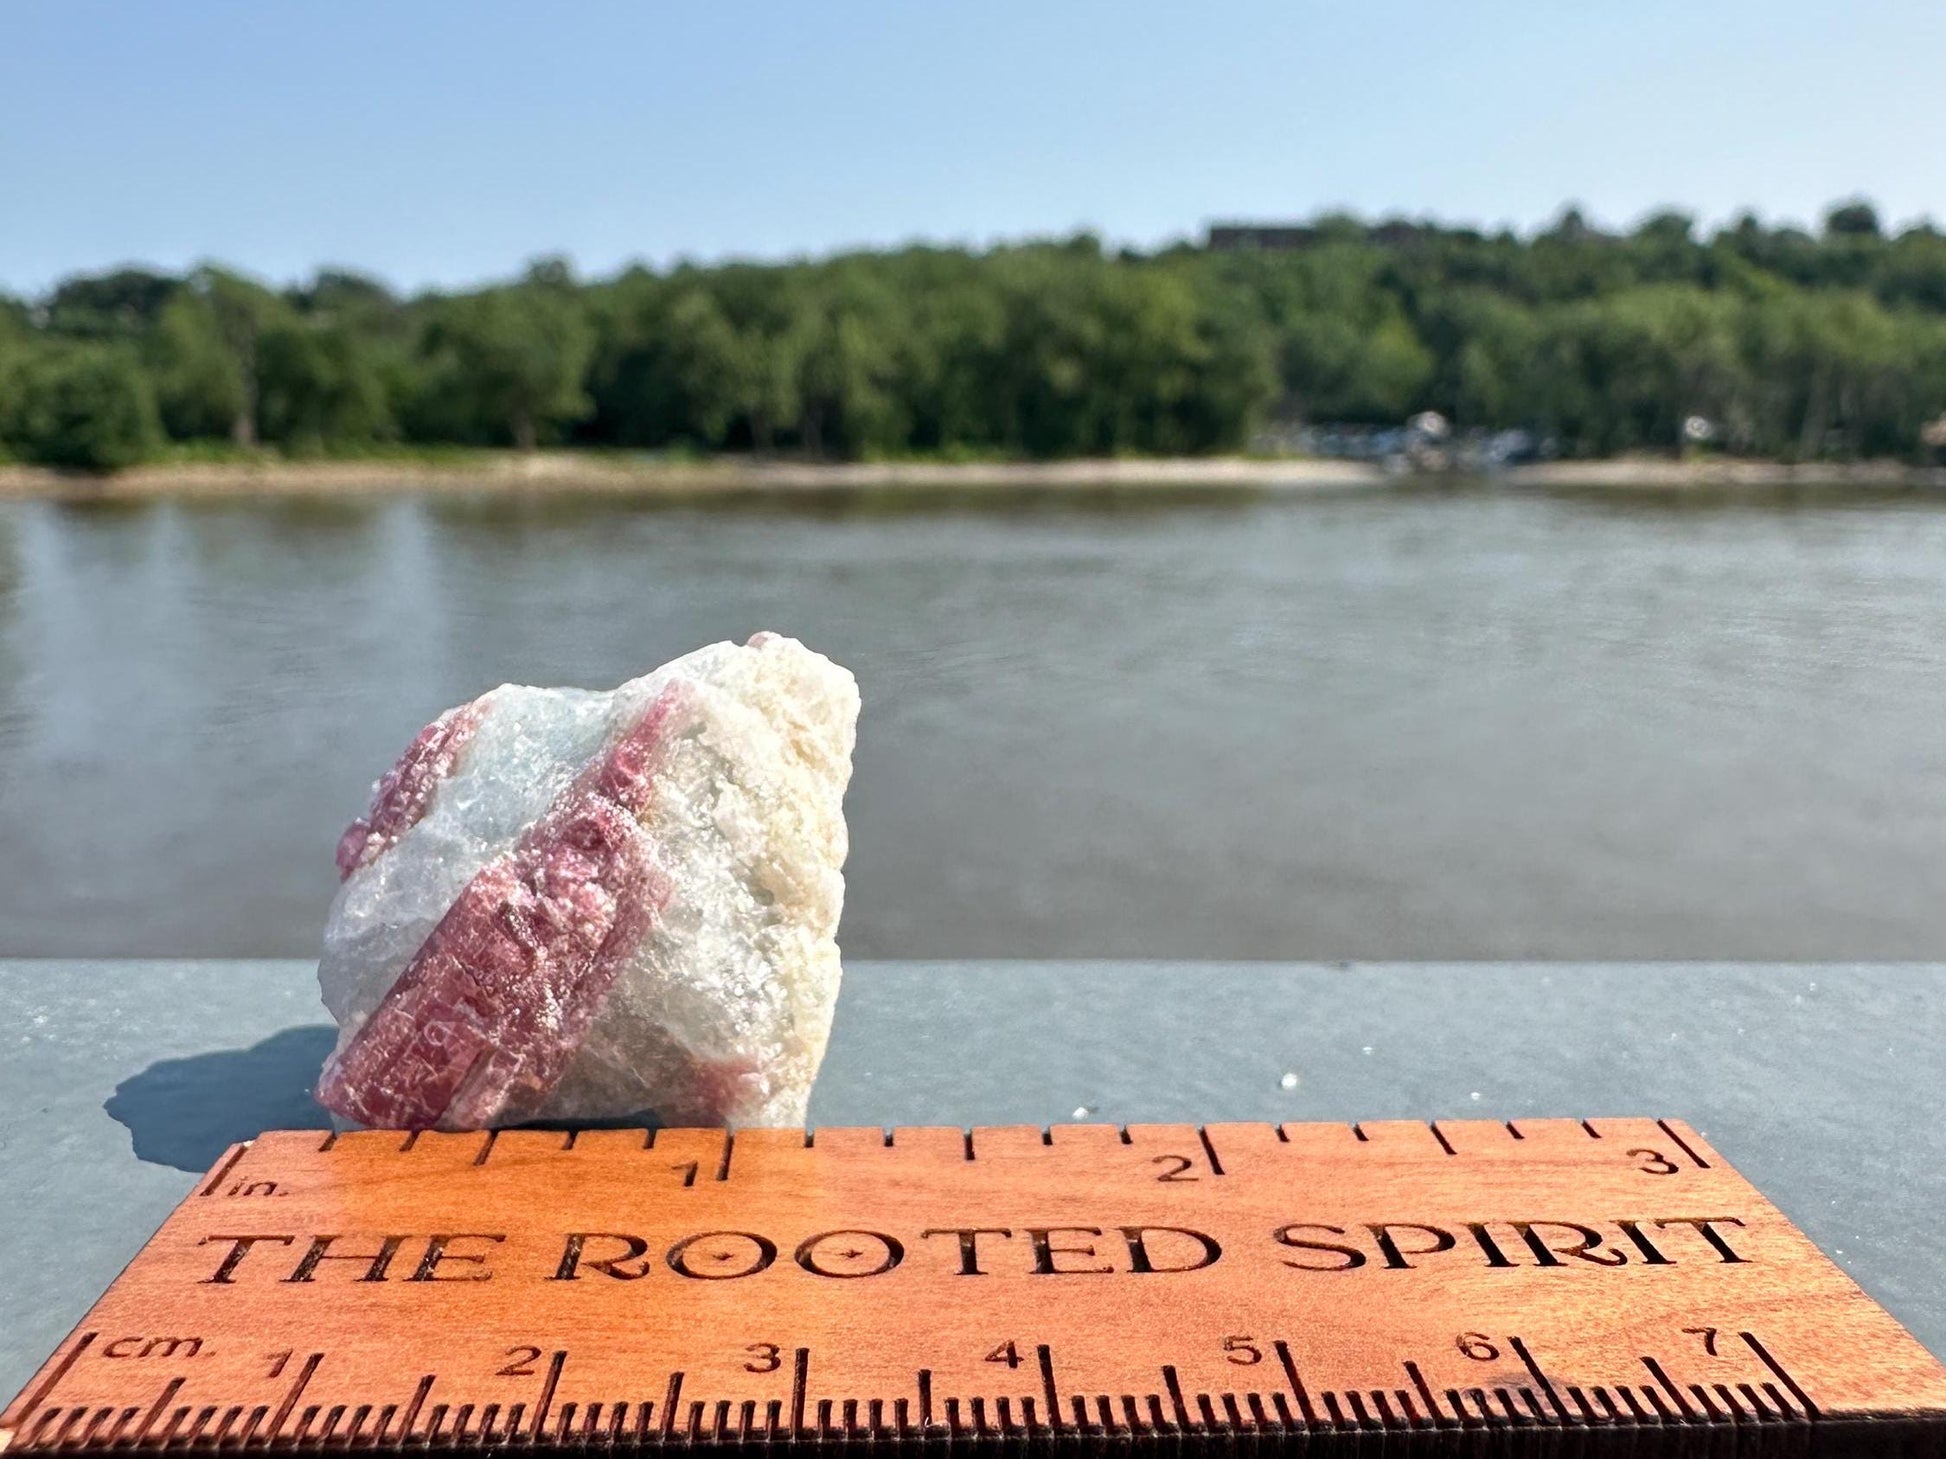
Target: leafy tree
[[122, 304], [1857, 219], [848, 331], [344, 294], [1795, 343], [319, 385], [84, 407], [198, 377], [514, 358], [202, 353], [17, 343]]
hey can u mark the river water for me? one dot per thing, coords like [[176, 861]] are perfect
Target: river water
[[1458, 723]]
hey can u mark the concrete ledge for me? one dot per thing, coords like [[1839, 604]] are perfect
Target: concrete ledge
[[126, 1079]]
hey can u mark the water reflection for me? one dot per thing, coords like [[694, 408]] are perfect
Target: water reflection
[[1441, 722]]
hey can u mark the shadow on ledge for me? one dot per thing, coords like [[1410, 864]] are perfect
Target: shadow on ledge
[[187, 1112]]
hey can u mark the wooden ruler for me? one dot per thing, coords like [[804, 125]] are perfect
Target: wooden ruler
[[1550, 1286]]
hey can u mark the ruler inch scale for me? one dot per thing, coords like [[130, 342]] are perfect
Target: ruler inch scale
[[1545, 1287]]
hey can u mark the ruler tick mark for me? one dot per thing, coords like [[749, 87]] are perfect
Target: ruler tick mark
[[160, 1407], [1440, 1136], [554, 1366], [1206, 1413], [303, 1381], [1049, 1392], [1174, 1385], [669, 1404], [99, 1417], [39, 1395], [1777, 1368], [1283, 1350], [419, 1396], [114, 1435], [486, 1147], [729, 1148], [221, 1171], [1546, 1383], [1215, 1165], [800, 1375], [1682, 1404], [1682, 1144], [1425, 1392]]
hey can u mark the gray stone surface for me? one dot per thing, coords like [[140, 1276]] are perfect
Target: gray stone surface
[[1821, 1083]]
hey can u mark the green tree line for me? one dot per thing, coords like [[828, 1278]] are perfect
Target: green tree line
[[1796, 344]]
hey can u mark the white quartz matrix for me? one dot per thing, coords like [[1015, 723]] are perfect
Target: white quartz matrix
[[566, 905]]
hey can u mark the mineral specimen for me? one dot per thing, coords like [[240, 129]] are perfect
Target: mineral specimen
[[566, 905]]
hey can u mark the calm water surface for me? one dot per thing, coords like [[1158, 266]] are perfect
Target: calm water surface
[[1410, 724]]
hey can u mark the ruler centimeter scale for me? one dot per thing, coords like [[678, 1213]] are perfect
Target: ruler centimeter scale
[[1550, 1286]]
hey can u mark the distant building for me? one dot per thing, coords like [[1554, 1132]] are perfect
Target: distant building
[[1290, 237], [1259, 237]]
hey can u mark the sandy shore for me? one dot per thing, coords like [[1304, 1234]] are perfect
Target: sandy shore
[[568, 471], [1650, 474]]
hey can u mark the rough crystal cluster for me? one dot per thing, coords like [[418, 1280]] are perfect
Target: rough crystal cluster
[[567, 905]]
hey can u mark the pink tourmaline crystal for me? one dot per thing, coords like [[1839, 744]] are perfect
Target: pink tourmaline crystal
[[401, 795], [569, 906]]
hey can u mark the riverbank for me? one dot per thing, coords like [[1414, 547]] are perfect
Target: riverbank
[[1637, 473], [573, 471], [576, 471]]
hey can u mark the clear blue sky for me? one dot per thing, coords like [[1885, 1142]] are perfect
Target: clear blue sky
[[446, 143]]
